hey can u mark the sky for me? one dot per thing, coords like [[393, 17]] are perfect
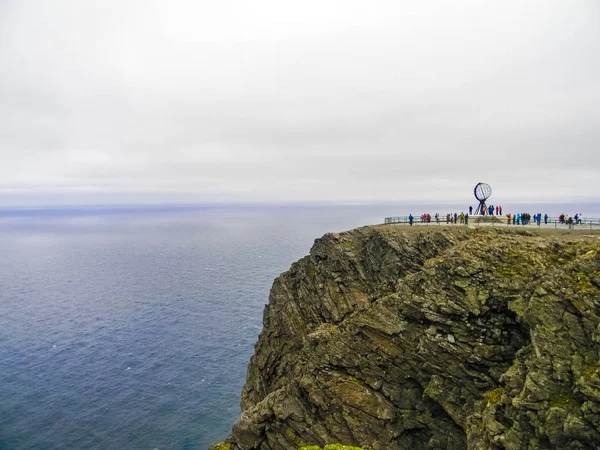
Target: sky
[[344, 101]]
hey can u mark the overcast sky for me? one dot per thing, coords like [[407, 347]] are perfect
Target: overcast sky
[[276, 100]]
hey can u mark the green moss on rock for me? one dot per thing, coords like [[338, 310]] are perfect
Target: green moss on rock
[[493, 397], [331, 447], [583, 283], [504, 271], [221, 446], [565, 402], [348, 245], [589, 372]]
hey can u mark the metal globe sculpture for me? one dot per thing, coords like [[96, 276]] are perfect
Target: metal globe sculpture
[[482, 192]]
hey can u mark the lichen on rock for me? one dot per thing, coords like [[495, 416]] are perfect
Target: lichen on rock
[[392, 337], [221, 446], [331, 447]]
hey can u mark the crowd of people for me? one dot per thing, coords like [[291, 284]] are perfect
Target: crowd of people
[[449, 218], [489, 210], [514, 219], [525, 218], [565, 219]]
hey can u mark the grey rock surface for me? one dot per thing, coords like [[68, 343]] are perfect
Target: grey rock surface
[[394, 337]]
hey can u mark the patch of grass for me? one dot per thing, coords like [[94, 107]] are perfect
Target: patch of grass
[[590, 255], [506, 272], [565, 402], [579, 305], [583, 283], [493, 397], [221, 446], [341, 447], [581, 277], [348, 245], [331, 447], [589, 372]]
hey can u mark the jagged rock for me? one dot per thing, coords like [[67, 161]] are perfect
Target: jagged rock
[[430, 338]]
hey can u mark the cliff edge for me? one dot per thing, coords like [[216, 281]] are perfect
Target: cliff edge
[[392, 337]]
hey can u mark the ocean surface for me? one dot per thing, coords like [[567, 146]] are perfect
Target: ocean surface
[[131, 327]]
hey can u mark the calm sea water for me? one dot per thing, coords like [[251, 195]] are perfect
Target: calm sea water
[[131, 327]]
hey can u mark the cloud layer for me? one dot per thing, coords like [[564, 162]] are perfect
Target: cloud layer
[[299, 101]]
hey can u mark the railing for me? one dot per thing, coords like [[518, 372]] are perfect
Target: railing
[[583, 223]]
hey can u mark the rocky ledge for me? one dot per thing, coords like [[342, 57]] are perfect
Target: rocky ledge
[[395, 337]]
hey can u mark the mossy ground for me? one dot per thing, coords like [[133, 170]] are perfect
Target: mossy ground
[[331, 447], [566, 402], [590, 371], [493, 397], [348, 245], [221, 446]]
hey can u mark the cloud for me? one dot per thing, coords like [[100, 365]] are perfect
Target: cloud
[[299, 101]]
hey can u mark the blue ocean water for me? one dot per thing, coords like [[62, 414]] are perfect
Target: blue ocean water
[[132, 327]]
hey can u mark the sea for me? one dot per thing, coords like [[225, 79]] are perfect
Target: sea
[[131, 326]]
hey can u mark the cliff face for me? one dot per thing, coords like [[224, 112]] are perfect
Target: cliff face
[[439, 338]]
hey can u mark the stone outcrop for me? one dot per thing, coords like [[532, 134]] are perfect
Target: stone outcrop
[[395, 337]]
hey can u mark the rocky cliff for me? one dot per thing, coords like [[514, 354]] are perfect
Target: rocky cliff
[[395, 337]]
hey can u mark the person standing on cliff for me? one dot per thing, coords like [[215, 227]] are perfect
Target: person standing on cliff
[[471, 210], [545, 219], [410, 219]]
